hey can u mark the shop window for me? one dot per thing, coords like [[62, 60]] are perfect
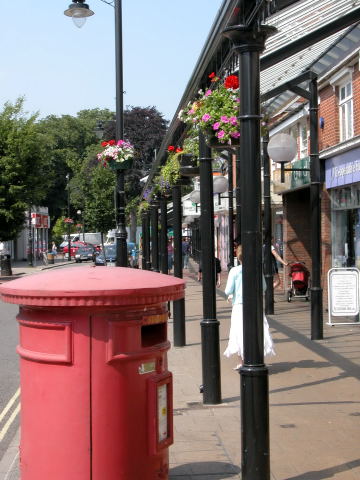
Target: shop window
[[303, 137], [345, 226]]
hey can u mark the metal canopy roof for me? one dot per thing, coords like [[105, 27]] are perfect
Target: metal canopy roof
[[315, 33], [298, 21]]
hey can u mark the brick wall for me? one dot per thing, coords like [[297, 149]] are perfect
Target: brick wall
[[326, 242], [356, 99], [328, 109]]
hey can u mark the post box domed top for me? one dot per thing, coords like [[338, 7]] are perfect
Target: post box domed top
[[91, 286]]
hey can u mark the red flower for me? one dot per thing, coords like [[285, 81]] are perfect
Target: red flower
[[171, 148], [179, 150], [231, 81], [213, 77], [104, 144], [111, 142]]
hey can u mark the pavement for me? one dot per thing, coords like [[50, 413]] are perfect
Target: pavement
[[314, 396]]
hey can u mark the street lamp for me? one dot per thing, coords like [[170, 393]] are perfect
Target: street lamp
[[282, 148], [220, 184], [79, 212], [80, 10]]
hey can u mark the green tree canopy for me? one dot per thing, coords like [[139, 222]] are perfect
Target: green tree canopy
[[24, 167]]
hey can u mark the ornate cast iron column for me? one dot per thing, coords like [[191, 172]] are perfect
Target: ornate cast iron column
[[178, 305], [249, 41], [268, 274], [209, 325]]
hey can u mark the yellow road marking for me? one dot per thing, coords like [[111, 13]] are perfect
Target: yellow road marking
[[9, 422], [9, 404]]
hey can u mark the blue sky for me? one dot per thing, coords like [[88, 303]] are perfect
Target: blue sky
[[62, 69]]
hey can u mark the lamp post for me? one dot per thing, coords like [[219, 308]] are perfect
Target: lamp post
[[80, 213], [80, 10], [68, 216]]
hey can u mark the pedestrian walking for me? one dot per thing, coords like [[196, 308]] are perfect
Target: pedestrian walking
[[234, 290], [274, 259], [185, 251], [54, 249], [170, 251]]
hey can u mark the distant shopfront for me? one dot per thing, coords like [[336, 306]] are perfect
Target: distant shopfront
[[342, 178]]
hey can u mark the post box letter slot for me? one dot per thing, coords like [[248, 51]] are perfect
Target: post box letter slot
[[153, 334]]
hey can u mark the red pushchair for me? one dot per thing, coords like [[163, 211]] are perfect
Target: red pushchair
[[299, 281]]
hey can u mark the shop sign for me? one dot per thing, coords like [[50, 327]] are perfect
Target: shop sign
[[343, 293], [39, 221], [298, 179], [343, 169]]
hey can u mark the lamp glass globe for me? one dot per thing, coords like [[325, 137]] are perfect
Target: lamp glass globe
[[195, 196], [282, 148], [220, 184]]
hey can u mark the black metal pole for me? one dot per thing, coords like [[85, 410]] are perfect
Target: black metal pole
[[231, 209], [178, 305], [121, 247], [268, 273], [249, 42], [30, 255], [147, 244], [154, 208], [164, 264], [238, 196], [209, 325], [144, 240], [68, 225], [315, 212]]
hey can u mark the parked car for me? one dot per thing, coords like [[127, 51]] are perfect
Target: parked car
[[74, 246], [85, 252], [110, 256]]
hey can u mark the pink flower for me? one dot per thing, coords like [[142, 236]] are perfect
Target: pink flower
[[235, 134], [224, 119], [191, 111], [233, 120], [207, 93], [220, 134], [206, 117], [216, 126]]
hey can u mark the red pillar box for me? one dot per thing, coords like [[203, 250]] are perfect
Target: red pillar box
[[96, 394]]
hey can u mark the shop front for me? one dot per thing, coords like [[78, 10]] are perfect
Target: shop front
[[342, 175]]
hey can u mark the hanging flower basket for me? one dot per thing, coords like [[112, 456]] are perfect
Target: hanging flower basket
[[215, 112], [212, 141], [68, 220], [189, 165], [116, 155]]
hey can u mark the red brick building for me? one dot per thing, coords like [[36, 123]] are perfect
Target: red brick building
[[339, 147]]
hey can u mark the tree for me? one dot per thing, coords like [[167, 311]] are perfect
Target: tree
[[24, 167], [145, 129], [69, 139], [99, 202]]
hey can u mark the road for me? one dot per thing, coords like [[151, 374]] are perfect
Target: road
[[9, 375]]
